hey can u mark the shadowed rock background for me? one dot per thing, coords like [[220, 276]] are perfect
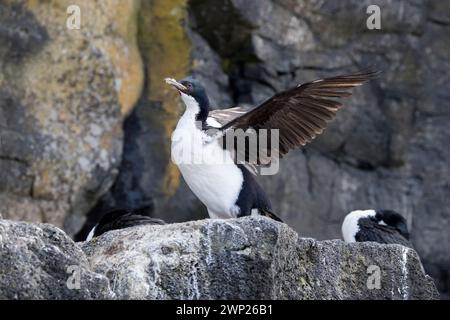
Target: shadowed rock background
[[85, 119]]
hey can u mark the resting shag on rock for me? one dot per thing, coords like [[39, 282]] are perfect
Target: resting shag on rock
[[123, 218], [210, 165], [382, 226]]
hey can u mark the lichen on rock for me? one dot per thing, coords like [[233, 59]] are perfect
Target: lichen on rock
[[63, 97], [166, 52]]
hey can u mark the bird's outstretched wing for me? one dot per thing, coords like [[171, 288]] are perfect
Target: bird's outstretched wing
[[224, 116], [300, 114]]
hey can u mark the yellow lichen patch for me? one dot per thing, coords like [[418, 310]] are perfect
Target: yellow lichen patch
[[115, 21], [166, 45], [40, 185], [130, 73], [166, 49], [125, 55], [67, 82]]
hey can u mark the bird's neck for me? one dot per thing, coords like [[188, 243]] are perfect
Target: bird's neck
[[197, 109]]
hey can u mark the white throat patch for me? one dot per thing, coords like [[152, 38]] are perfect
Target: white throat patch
[[192, 105]]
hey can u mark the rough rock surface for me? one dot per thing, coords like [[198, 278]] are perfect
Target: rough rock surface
[[253, 258], [250, 258], [63, 95], [37, 262]]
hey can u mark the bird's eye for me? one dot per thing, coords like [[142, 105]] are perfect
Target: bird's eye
[[189, 86]]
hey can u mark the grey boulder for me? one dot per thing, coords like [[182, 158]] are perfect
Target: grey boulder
[[252, 258], [248, 258], [39, 261]]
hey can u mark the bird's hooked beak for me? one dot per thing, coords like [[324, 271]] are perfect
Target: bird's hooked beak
[[176, 84]]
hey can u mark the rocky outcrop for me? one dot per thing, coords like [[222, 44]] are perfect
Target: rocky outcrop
[[249, 258], [63, 96], [39, 261]]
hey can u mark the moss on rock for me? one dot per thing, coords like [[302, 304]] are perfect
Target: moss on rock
[[165, 48]]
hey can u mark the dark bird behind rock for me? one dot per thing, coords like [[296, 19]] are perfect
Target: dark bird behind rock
[[382, 226], [121, 219]]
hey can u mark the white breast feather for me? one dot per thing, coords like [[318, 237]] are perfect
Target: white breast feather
[[350, 225], [206, 167]]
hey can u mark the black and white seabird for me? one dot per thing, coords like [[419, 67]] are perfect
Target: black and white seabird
[[227, 187], [123, 218], [382, 226]]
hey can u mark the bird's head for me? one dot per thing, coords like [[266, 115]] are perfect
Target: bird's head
[[393, 219], [188, 86], [193, 94]]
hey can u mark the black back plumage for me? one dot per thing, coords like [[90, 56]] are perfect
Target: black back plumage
[[394, 220], [394, 231], [252, 196], [372, 231], [125, 218]]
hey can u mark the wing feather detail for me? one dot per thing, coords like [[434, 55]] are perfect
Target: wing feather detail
[[300, 114]]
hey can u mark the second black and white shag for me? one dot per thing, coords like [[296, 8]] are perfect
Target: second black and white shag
[[382, 226]]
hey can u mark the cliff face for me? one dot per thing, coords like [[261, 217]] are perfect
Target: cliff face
[[63, 96], [85, 119], [249, 258]]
